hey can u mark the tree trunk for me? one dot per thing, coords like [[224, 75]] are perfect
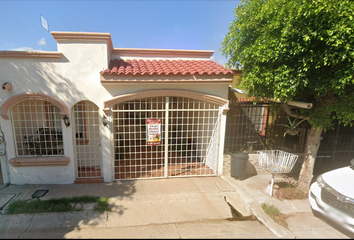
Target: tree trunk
[[312, 145]]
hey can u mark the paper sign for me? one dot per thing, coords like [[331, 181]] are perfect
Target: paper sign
[[153, 131]]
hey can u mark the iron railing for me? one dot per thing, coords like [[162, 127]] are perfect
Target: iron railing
[[254, 126]]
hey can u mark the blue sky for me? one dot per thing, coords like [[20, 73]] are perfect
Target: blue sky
[[162, 24]]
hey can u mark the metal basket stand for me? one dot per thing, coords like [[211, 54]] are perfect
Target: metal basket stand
[[276, 161]]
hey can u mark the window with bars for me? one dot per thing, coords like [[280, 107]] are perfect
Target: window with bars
[[37, 129]]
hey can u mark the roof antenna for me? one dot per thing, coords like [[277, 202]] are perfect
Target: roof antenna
[[44, 23]]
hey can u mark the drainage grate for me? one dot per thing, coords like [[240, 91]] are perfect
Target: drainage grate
[[39, 193]]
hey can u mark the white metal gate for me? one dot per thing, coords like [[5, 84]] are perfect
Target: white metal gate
[[187, 144], [87, 140]]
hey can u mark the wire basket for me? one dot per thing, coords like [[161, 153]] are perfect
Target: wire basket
[[276, 161]]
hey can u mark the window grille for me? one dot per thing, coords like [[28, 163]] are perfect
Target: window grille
[[37, 128]]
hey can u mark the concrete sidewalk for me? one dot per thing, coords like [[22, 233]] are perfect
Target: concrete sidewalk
[[161, 204], [195, 207], [301, 221]]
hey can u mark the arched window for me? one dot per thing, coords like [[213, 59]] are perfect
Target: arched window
[[37, 128]]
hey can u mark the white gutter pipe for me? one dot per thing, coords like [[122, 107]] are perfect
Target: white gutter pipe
[[295, 103], [291, 103]]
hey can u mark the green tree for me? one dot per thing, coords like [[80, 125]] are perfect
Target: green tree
[[297, 50]]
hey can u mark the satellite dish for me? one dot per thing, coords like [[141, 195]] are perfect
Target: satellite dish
[[44, 23]]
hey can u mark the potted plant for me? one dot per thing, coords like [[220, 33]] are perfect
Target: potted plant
[[293, 126]]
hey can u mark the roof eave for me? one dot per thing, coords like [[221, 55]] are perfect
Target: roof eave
[[140, 52], [30, 54], [108, 79], [83, 37]]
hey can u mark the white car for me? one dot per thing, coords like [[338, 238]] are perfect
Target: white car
[[332, 195]]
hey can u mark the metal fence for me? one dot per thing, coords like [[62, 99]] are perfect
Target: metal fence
[[251, 127], [336, 148]]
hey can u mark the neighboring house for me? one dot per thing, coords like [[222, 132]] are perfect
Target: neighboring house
[[94, 113]]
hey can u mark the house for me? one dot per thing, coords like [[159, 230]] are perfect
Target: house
[[93, 113]]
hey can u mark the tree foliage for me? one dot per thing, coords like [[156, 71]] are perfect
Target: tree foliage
[[297, 50]]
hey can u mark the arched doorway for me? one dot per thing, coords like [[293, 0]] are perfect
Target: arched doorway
[[88, 157]]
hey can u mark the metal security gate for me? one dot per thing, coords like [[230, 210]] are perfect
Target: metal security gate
[[87, 140], [185, 141], [336, 148]]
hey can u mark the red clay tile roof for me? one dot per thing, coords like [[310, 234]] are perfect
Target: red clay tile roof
[[165, 67]]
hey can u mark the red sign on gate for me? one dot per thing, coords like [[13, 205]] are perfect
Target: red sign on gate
[[153, 131]]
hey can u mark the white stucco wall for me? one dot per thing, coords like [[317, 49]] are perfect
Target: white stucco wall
[[216, 89], [73, 78]]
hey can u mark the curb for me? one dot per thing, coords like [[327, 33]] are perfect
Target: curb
[[258, 212]]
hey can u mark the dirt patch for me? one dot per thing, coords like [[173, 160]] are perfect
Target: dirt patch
[[288, 191], [281, 219], [275, 214]]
